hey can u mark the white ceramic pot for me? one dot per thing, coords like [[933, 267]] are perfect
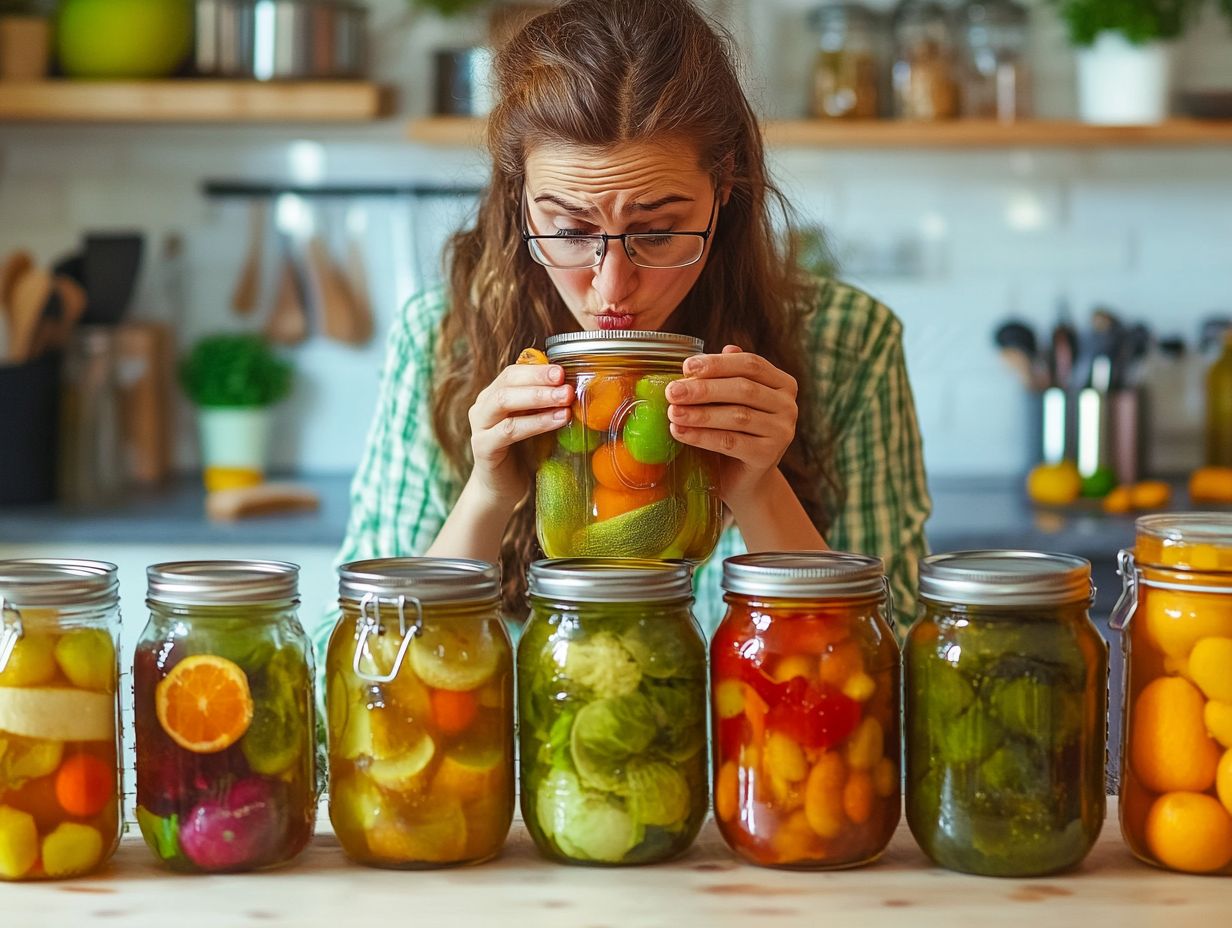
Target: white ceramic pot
[[234, 445], [1120, 83]]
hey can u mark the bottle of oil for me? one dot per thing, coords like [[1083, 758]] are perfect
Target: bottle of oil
[[1219, 407]]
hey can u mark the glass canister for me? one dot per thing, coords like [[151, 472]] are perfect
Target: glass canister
[[224, 717], [419, 689], [1006, 699], [845, 69], [996, 81], [60, 791], [1176, 757], [617, 484], [612, 711], [924, 74], [805, 709]]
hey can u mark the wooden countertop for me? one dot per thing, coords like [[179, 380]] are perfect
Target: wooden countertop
[[707, 888]]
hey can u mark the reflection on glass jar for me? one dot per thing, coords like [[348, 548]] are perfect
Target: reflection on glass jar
[[224, 717], [1176, 757], [1006, 699], [845, 69], [996, 80], [419, 690], [615, 482], [612, 711], [59, 718], [805, 708], [925, 60]]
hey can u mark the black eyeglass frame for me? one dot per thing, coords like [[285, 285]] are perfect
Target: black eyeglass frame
[[602, 238]]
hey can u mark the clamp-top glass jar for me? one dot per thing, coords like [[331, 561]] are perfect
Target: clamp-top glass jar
[[224, 717], [59, 717], [612, 711], [1176, 757], [805, 688], [616, 483], [419, 689], [1006, 701], [846, 66]]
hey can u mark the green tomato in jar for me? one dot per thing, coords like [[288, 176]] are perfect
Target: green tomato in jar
[[647, 433], [576, 438]]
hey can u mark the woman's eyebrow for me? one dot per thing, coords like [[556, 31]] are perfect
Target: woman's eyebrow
[[647, 207], [653, 205]]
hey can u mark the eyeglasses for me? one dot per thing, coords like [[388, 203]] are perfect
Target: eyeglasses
[[575, 251]]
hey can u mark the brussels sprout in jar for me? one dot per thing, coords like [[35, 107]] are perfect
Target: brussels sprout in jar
[[616, 483], [612, 712], [1006, 700]]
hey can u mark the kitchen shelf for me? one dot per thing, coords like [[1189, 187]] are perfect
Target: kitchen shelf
[[192, 101], [805, 133]]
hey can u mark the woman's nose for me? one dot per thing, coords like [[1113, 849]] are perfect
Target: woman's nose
[[616, 276]]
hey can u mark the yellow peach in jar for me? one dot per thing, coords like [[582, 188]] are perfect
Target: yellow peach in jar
[[784, 758], [866, 745], [1190, 832], [1218, 719], [860, 687], [1210, 667], [1177, 620], [1169, 746], [840, 663], [794, 665], [823, 796], [858, 797], [1223, 780]]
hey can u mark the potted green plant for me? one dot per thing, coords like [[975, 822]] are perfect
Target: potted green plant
[[25, 39], [1125, 50], [234, 379]]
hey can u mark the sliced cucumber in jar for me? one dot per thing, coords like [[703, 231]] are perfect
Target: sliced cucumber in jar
[[454, 657]]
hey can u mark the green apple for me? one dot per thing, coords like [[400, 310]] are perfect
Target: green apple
[[123, 38]]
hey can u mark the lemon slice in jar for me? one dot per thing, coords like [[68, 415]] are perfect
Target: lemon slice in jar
[[450, 657]]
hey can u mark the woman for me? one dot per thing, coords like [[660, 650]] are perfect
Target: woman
[[617, 117]]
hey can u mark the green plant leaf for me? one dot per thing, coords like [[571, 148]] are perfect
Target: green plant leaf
[[235, 370]]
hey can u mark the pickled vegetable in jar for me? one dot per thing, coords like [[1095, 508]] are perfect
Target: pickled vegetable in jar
[[1176, 757], [805, 709], [612, 711], [224, 717], [617, 484], [1006, 701], [59, 718], [419, 690]]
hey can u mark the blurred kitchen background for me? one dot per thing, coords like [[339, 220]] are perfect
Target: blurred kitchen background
[[292, 168]]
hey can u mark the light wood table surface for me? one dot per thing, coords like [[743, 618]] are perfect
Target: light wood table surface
[[708, 888]]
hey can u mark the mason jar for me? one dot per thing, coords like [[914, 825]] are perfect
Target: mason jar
[[419, 690], [1176, 756], [615, 482], [224, 717], [846, 65], [925, 70], [60, 793], [612, 711], [1006, 702], [805, 709]]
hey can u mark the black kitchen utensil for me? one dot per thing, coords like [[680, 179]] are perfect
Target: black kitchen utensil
[[110, 265], [29, 430], [1016, 340], [1064, 349]]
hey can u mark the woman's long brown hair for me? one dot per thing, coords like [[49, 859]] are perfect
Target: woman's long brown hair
[[596, 73]]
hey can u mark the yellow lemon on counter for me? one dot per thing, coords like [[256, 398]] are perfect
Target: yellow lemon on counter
[[1171, 750], [1150, 494], [1176, 620], [1210, 666], [1223, 780], [1119, 500], [1054, 484], [1218, 717], [1211, 485], [1190, 832]]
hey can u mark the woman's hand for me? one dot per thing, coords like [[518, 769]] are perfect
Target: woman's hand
[[523, 401], [740, 405]]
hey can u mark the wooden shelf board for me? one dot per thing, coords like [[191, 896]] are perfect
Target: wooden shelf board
[[803, 133], [192, 101]]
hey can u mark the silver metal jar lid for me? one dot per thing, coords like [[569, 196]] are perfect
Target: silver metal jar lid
[[215, 583], [1190, 528], [610, 580], [58, 582], [803, 574], [1005, 578], [428, 579], [621, 343]]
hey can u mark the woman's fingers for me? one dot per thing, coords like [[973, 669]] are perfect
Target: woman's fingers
[[749, 449], [733, 362], [509, 431], [736, 391], [520, 389], [735, 418]]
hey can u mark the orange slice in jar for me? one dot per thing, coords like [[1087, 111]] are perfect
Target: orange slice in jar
[[204, 704]]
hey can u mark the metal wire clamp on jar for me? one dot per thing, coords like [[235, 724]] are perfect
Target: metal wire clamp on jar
[[1005, 679], [806, 712], [419, 685], [60, 782], [1175, 616]]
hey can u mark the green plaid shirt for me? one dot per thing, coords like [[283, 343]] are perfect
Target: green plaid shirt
[[404, 489]]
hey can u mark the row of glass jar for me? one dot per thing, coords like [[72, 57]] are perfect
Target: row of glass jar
[[1005, 712], [970, 61]]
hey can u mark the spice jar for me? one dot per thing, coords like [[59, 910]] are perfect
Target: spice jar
[[419, 689], [996, 81], [845, 68], [1176, 757], [59, 717], [1006, 696], [224, 717], [805, 689], [616, 483], [612, 711], [924, 73]]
